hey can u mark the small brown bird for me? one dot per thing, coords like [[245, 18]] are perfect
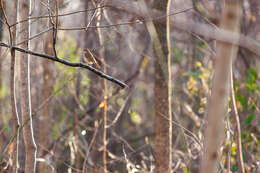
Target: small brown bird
[[89, 57]]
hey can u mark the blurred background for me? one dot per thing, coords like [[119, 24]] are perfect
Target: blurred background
[[71, 106]]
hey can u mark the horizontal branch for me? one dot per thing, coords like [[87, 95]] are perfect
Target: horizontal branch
[[71, 64], [191, 26], [60, 15], [139, 21]]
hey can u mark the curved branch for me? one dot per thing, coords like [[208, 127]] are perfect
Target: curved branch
[[71, 64]]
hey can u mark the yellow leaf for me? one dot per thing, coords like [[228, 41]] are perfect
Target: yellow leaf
[[144, 63], [135, 117], [198, 64], [102, 104], [191, 84]]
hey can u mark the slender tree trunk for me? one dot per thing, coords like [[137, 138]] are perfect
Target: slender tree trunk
[[15, 117], [161, 97], [30, 146], [255, 28], [94, 85], [102, 55], [169, 85], [218, 103], [45, 120], [157, 32], [1, 80]]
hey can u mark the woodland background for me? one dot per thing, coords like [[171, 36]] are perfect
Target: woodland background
[[82, 122]]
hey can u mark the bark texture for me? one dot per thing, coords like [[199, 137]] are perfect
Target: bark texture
[[218, 103], [1, 81], [16, 121], [30, 146], [45, 120], [161, 96]]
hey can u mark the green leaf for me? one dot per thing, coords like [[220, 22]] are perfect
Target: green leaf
[[249, 119], [242, 99], [234, 168], [251, 79], [7, 128]]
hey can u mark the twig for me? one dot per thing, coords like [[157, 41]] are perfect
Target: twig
[[12, 39], [190, 26], [119, 112], [90, 145], [237, 129], [34, 36], [54, 27], [139, 21], [188, 132], [71, 64], [60, 15], [168, 32], [91, 20]]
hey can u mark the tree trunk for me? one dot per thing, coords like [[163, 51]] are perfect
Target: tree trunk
[[255, 28], [1, 81], [16, 121], [161, 141], [89, 41], [45, 120], [102, 55], [218, 103], [30, 146]]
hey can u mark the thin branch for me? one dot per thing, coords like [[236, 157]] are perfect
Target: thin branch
[[138, 21], [98, 13], [71, 64], [91, 20], [193, 27], [119, 112], [168, 31], [34, 36], [95, 105], [185, 130], [12, 36], [90, 145], [60, 15], [238, 130], [54, 28], [7, 23]]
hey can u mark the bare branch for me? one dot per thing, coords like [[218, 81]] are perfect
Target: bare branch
[[168, 31], [237, 122], [192, 27], [71, 64], [59, 15], [139, 21], [54, 27]]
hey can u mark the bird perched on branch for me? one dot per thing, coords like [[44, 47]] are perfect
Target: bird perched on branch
[[89, 57]]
